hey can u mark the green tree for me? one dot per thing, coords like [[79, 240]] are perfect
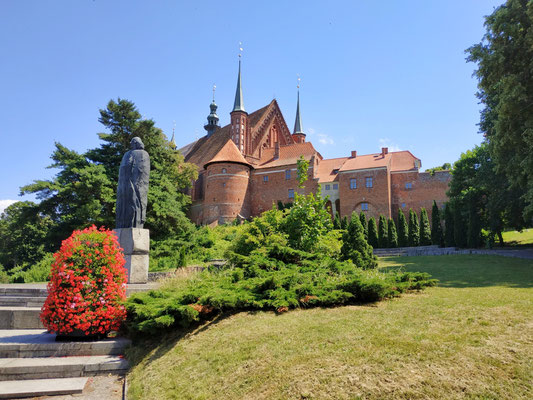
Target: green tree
[[302, 166], [414, 229], [355, 247], [474, 228], [84, 190], [449, 239], [23, 231], [443, 167], [436, 227], [403, 231], [383, 239], [364, 223], [425, 230], [392, 236], [459, 225], [504, 61], [373, 233], [337, 221]]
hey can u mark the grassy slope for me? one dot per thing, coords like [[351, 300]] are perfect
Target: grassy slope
[[518, 238], [471, 337]]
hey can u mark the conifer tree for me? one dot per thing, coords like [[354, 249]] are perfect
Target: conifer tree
[[449, 240], [364, 223], [382, 232], [373, 233], [344, 223], [459, 231], [393, 236], [425, 230], [403, 232], [355, 247], [474, 228], [436, 227], [414, 229]]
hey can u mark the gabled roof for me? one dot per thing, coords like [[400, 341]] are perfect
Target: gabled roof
[[287, 155], [396, 161], [228, 153], [326, 169]]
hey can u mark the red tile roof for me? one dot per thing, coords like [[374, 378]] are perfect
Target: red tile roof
[[325, 171], [288, 154], [395, 161], [228, 153]]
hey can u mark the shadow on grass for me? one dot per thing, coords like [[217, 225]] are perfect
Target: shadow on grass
[[462, 271]]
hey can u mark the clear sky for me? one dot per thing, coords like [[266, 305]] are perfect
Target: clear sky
[[374, 73]]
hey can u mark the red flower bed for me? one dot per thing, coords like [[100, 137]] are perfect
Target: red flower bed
[[87, 285]]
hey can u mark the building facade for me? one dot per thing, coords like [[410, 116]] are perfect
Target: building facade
[[250, 165]]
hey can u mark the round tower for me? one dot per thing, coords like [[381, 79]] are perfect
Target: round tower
[[226, 187]]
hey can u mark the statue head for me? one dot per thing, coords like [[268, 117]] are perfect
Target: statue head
[[136, 144]]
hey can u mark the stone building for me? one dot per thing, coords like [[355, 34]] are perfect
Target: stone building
[[250, 164]]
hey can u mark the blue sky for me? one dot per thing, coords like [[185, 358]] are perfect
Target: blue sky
[[388, 73]]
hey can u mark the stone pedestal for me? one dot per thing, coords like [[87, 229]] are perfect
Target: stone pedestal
[[136, 245]]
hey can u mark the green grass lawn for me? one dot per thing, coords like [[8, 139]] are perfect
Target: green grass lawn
[[516, 238], [470, 337]]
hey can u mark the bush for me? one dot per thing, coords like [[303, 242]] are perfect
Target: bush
[[436, 226], [459, 231], [355, 247], [364, 223], [87, 286], [373, 233], [38, 272], [383, 236], [449, 240], [403, 231], [4, 277], [414, 229], [393, 236], [425, 230]]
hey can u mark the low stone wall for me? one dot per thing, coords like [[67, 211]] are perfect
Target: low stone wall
[[442, 251]]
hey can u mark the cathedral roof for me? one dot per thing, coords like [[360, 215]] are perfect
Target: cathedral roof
[[288, 154], [228, 153]]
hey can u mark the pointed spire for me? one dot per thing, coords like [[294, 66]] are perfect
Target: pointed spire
[[298, 122], [173, 141], [212, 118], [239, 104]]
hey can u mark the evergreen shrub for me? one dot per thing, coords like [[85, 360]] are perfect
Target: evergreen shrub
[[425, 230], [414, 229], [373, 233], [403, 230], [383, 235], [392, 235]]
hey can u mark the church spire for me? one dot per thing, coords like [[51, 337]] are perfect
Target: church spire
[[212, 118], [239, 104], [298, 134]]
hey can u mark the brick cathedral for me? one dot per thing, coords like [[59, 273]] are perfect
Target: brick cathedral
[[249, 165]]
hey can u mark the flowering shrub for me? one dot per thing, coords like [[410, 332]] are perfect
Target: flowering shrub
[[87, 285]]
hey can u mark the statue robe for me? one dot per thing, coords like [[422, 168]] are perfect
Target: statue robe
[[132, 193]]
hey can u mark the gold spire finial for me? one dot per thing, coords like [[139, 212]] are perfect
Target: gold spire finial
[[214, 88], [298, 84], [240, 49]]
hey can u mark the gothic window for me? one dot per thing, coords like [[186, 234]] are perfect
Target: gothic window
[[364, 206]]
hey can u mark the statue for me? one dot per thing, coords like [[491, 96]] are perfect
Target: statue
[[132, 193]]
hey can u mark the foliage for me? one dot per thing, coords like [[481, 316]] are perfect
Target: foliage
[[473, 239], [83, 191], [38, 272], [355, 246], [459, 224], [4, 277], [425, 230], [373, 239], [364, 223], [383, 239], [87, 286], [437, 237], [262, 282], [414, 229], [302, 166], [337, 221], [22, 234], [504, 59], [443, 167], [392, 235], [449, 232], [403, 230]]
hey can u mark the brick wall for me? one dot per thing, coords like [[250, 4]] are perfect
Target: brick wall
[[377, 197]]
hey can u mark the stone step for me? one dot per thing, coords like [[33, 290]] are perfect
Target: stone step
[[20, 318], [20, 290], [29, 343], [21, 301], [41, 387], [60, 367]]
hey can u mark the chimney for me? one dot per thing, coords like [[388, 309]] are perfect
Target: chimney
[[276, 150], [354, 154], [384, 150]]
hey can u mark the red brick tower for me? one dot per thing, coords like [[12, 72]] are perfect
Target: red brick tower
[[227, 186], [239, 119]]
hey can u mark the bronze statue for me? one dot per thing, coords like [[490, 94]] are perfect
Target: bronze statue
[[132, 192]]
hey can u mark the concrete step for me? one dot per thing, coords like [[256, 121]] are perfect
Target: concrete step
[[60, 367], [41, 387], [29, 343], [24, 290], [20, 318], [21, 301]]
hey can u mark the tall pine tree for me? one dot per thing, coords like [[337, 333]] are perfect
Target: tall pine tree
[[364, 223], [382, 232], [403, 231], [414, 229], [393, 236], [436, 228], [449, 240], [373, 233], [425, 230]]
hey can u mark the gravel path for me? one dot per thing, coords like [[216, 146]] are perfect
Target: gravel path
[[97, 388]]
